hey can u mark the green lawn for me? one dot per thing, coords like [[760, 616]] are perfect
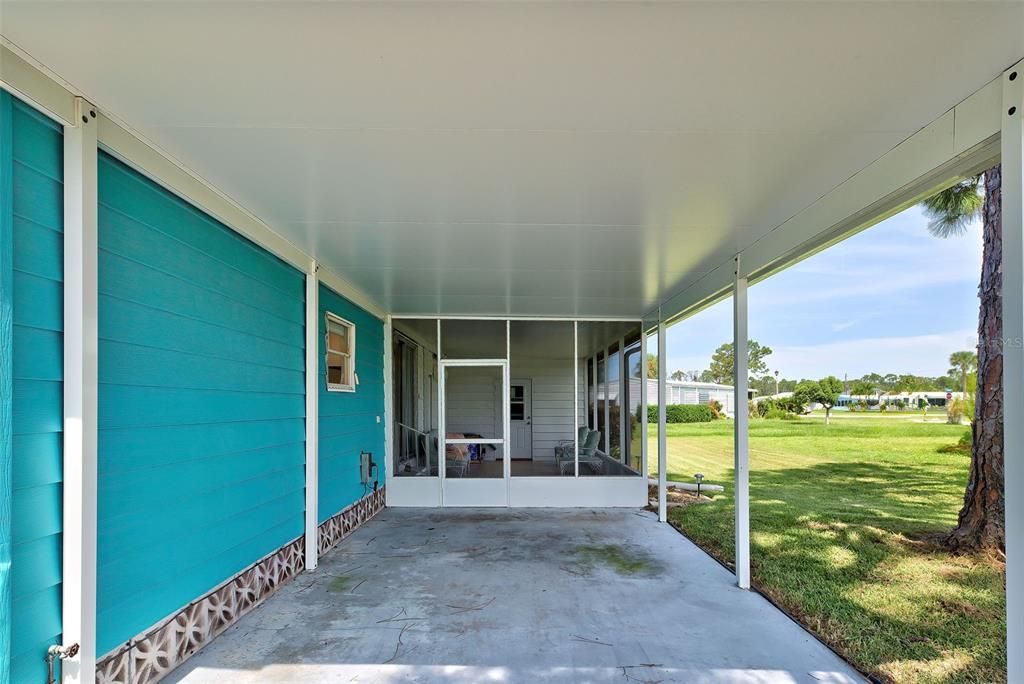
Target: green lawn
[[844, 520]]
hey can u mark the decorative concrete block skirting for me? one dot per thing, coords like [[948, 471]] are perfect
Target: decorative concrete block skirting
[[154, 653]]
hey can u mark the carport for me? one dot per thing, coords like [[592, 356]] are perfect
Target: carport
[[214, 217], [500, 595]]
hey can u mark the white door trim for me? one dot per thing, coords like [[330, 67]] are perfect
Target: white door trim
[[527, 419]]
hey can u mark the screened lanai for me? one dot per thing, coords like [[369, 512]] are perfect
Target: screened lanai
[[527, 407]]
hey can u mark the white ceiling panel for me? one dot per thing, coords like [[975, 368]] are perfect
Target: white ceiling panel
[[523, 158]]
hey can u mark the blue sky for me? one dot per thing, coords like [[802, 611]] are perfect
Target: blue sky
[[891, 299]]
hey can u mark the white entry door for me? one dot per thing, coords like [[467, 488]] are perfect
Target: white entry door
[[520, 419]]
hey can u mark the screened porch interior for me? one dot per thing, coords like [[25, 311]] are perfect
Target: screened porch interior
[[517, 398]]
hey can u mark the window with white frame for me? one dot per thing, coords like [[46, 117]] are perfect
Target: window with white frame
[[341, 354]]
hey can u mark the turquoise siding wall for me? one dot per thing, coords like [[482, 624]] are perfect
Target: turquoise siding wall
[[201, 403], [31, 197], [348, 420]]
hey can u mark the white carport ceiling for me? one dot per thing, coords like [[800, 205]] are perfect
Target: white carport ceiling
[[520, 158]]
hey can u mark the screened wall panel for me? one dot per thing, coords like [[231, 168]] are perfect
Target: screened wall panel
[[350, 421], [31, 293], [201, 403]]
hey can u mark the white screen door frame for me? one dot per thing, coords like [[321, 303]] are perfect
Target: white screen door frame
[[474, 491]]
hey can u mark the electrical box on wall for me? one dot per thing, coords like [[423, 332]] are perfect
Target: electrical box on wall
[[365, 466]]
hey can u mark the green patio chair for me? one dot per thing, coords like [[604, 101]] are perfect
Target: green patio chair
[[564, 447], [588, 453]]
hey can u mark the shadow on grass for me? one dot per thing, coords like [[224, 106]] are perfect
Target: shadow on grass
[[901, 498], [845, 548]]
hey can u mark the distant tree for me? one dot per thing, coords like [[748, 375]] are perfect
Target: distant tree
[[825, 392], [787, 385], [678, 375], [962, 362], [911, 383], [877, 381], [723, 361], [765, 385], [862, 388], [652, 367]]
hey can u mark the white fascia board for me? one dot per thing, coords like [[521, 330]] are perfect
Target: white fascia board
[[132, 149], [27, 79], [343, 287], [34, 83], [960, 143]]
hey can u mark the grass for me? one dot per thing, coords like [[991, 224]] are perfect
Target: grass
[[845, 522]]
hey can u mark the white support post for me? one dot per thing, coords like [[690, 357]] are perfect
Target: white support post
[[506, 453], [576, 398], [1012, 155], [607, 400], [81, 352], [643, 403], [593, 364], [741, 453], [662, 430], [312, 415], [623, 409], [389, 397], [442, 428]]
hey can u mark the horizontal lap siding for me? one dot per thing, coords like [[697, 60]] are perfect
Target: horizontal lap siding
[[201, 410], [36, 221], [350, 422], [551, 402], [473, 402]]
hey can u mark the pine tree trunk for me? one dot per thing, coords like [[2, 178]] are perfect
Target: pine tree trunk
[[981, 522]]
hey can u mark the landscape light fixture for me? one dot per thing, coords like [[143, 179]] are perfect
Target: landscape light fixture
[[699, 477]]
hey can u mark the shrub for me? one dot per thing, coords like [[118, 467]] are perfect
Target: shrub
[[955, 409], [716, 409], [682, 413], [763, 407], [790, 405]]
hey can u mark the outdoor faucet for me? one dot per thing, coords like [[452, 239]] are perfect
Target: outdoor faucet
[[53, 653]]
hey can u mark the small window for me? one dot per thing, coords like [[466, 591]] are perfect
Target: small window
[[341, 354]]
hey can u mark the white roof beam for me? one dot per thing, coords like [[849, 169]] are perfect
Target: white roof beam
[[961, 142]]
